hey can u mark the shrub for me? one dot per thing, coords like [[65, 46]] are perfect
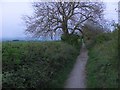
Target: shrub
[[34, 64], [102, 38], [72, 39], [102, 65]]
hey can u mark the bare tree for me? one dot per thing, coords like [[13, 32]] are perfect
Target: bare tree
[[66, 17]]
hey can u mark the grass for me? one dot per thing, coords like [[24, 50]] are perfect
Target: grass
[[102, 64]]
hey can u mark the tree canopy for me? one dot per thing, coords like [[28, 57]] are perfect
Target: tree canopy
[[66, 17]]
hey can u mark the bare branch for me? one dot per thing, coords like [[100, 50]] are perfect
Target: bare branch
[[68, 16]]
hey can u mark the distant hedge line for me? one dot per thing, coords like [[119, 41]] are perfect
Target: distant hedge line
[[34, 64]]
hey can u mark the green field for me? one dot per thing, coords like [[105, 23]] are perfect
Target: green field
[[36, 64]]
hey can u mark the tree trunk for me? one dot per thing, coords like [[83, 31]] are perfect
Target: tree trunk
[[65, 27]]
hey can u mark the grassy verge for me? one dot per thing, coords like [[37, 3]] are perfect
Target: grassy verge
[[102, 65], [37, 64]]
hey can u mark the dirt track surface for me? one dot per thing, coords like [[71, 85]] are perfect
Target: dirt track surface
[[77, 77]]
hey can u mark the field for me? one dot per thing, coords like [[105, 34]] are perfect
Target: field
[[102, 65], [36, 64]]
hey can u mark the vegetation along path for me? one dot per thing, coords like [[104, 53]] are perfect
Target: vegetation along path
[[77, 77]]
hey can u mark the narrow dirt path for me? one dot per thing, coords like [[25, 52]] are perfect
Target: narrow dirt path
[[77, 78]]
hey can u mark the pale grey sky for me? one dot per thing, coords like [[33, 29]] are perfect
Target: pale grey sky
[[12, 23], [11, 13], [111, 11]]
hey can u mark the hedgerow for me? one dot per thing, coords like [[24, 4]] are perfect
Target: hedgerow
[[102, 65], [34, 64]]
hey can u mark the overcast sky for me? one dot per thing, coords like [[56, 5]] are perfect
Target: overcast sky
[[11, 12]]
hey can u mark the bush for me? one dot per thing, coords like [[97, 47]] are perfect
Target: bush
[[102, 38], [34, 64], [72, 39], [98, 39], [102, 65]]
